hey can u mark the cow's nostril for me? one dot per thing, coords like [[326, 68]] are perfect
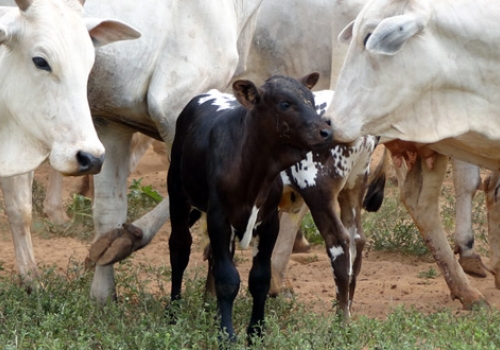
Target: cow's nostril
[[89, 164], [326, 134]]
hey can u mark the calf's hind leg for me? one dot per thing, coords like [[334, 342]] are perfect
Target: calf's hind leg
[[350, 202]]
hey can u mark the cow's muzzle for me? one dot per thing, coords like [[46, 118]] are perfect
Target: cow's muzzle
[[89, 164]]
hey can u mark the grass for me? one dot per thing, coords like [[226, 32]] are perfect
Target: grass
[[60, 315], [141, 199]]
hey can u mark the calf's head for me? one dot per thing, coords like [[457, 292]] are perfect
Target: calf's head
[[286, 111], [46, 54]]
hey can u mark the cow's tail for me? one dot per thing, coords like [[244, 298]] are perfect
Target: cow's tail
[[374, 195]]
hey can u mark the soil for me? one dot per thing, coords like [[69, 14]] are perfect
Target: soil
[[387, 280]]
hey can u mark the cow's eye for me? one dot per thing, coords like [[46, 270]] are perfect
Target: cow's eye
[[366, 39], [41, 63], [283, 105]]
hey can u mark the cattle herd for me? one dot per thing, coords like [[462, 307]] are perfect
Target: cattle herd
[[420, 75]]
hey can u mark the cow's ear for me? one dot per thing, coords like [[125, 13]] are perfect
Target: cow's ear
[[4, 35], [8, 26], [105, 31], [310, 80], [345, 35], [246, 93], [392, 33]]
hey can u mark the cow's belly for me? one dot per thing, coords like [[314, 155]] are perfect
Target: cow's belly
[[472, 148]]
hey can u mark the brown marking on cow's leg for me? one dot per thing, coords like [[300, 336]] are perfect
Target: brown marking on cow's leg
[[116, 245], [491, 187], [419, 193]]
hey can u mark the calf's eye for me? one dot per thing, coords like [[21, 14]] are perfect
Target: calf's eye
[[283, 105], [41, 63]]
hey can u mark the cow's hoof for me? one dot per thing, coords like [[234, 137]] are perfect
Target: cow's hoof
[[474, 266], [475, 302], [116, 245]]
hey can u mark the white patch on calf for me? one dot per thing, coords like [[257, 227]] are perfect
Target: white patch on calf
[[220, 99], [251, 225], [285, 179], [335, 252], [305, 172]]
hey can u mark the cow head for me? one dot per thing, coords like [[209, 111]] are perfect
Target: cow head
[[46, 54], [392, 59], [285, 107]]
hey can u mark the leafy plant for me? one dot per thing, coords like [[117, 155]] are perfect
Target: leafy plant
[[392, 229], [429, 274], [141, 199], [310, 231]]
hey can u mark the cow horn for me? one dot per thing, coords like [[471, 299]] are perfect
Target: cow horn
[[82, 2], [23, 4]]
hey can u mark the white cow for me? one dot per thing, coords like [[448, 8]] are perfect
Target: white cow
[[187, 47], [426, 72], [46, 55]]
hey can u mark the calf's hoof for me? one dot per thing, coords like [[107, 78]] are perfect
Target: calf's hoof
[[474, 266], [116, 245]]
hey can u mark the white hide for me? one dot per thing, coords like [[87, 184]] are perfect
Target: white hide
[[186, 48], [441, 87], [44, 112]]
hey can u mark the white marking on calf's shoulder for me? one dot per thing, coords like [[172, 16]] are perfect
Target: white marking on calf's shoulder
[[220, 99], [304, 173], [251, 225]]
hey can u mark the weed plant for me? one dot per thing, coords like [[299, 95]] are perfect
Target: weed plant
[[60, 315]]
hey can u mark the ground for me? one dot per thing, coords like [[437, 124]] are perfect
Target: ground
[[387, 280]]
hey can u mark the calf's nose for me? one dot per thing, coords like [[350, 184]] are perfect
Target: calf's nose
[[326, 134], [88, 163]]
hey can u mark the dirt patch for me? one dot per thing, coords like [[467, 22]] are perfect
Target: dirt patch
[[386, 280]]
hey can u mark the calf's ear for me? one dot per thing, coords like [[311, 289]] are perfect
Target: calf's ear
[[106, 31], [392, 33], [310, 80], [246, 93]]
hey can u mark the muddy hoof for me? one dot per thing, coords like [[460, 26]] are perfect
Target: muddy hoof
[[474, 266], [116, 245]]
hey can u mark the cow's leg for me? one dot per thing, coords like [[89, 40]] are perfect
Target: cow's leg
[[259, 279], [110, 202], [420, 195], [492, 190], [466, 180], [53, 206], [350, 202], [17, 195], [293, 210]]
